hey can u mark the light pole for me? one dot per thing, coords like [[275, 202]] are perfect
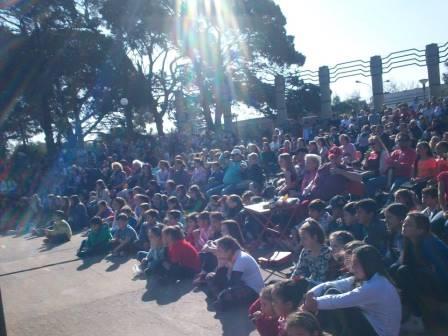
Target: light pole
[[124, 102], [423, 81]]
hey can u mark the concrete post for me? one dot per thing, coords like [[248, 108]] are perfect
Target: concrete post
[[433, 65], [280, 100], [325, 91], [376, 72]]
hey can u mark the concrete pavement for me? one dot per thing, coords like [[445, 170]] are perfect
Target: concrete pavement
[[98, 297]]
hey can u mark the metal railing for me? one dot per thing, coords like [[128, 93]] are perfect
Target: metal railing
[[394, 60]]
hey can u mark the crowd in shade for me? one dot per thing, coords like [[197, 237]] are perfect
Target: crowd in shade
[[368, 228]]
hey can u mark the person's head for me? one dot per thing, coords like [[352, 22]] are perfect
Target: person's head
[[366, 211], [170, 186], [227, 247], [406, 197], [231, 228], [336, 206], [164, 165], [316, 208], [74, 200], [216, 219], [151, 216], [338, 240], [311, 234], [246, 197], [252, 159], [102, 205], [366, 262], [303, 323], [173, 203], [335, 155], [122, 220], [349, 214], [204, 220], [236, 155], [395, 214], [423, 150], [285, 161], [181, 191], [344, 139], [195, 192], [155, 235], [266, 300], [141, 198], [415, 226], [117, 166], [96, 223], [198, 163], [430, 197], [191, 222], [442, 148], [172, 234], [377, 144], [403, 140], [347, 252], [312, 162], [118, 203], [173, 217], [137, 165], [234, 202], [287, 295], [100, 185]]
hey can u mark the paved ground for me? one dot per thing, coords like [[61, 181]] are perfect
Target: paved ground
[[46, 291]]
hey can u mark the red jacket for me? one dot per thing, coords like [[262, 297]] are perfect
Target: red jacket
[[266, 325], [403, 160], [184, 254]]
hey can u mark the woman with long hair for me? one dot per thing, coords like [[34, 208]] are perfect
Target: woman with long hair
[[424, 269], [238, 277], [290, 181], [365, 304]]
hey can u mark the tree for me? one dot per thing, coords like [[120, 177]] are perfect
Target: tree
[[69, 81], [144, 27], [235, 46], [348, 106]]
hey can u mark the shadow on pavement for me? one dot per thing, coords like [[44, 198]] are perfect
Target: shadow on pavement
[[235, 322], [116, 262], [89, 261], [47, 246], [165, 294]]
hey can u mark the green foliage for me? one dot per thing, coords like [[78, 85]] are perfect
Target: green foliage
[[65, 64], [354, 104]]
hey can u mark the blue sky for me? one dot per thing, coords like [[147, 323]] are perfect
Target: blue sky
[[330, 31]]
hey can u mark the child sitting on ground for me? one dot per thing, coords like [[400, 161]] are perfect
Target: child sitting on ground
[[61, 231], [98, 239], [123, 237], [183, 260], [262, 313], [287, 296], [317, 211], [303, 324], [152, 259], [315, 256]]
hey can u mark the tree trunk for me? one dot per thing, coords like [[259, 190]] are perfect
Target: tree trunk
[[159, 123], [129, 120], [46, 124], [207, 112]]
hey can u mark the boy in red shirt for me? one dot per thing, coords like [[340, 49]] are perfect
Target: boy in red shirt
[[183, 259], [402, 160]]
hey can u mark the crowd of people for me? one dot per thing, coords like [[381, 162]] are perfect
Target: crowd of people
[[369, 227]]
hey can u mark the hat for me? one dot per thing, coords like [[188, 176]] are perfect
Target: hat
[[235, 151], [337, 201]]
